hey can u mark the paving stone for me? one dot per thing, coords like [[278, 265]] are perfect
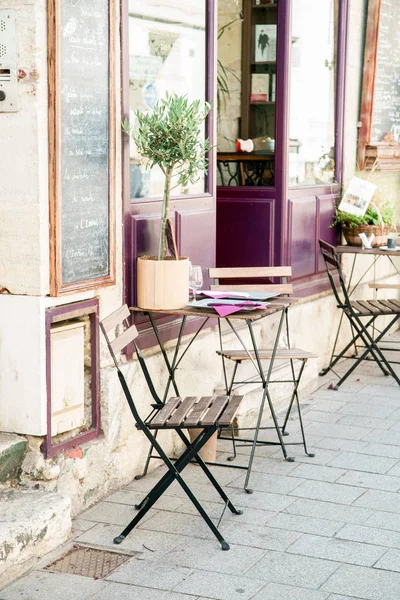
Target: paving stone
[[389, 561], [337, 550], [187, 525], [382, 437], [364, 410], [270, 502], [384, 520], [320, 416], [379, 500], [123, 591], [276, 465], [266, 482], [220, 586], [328, 402], [342, 445], [371, 480], [261, 537], [129, 497], [384, 391], [208, 557], [361, 462], [109, 512], [382, 450], [335, 430], [305, 524], [318, 472], [153, 574], [275, 591], [329, 510], [395, 471], [368, 422], [82, 525], [302, 571], [362, 582], [43, 585], [139, 540], [370, 535], [330, 492]]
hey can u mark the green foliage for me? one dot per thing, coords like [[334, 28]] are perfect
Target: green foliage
[[371, 217], [170, 136]]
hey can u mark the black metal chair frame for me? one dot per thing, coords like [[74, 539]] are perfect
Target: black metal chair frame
[[175, 467], [266, 381], [360, 330]]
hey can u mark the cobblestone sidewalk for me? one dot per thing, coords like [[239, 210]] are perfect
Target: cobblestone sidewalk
[[323, 528]]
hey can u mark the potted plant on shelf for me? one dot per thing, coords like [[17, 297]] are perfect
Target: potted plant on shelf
[[376, 221], [170, 137]]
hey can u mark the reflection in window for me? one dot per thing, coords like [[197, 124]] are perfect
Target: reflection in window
[[312, 93], [166, 54]]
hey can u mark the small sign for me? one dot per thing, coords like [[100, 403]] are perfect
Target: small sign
[[357, 197]]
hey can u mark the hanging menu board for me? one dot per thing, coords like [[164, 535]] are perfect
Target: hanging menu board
[[379, 139], [81, 144]]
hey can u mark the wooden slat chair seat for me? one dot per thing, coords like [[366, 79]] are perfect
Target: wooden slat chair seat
[[269, 280], [178, 414], [363, 331], [281, 354]]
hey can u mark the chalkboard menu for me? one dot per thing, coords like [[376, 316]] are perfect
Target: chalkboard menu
[[379, 139], [386, 105], [81, 160]]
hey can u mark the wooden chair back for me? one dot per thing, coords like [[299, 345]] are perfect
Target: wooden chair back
[[243, 273], [118, 331]]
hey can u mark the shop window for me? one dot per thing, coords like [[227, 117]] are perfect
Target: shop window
[[167, 50], [312, 93]]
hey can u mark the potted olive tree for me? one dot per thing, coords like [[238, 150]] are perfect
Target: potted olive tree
[[170, 137]]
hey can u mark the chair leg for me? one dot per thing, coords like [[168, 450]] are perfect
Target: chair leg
[[172, 475], [146, 466]]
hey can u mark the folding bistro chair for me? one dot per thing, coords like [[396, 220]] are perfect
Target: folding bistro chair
[[207, 413], [256, 356], [356, 310]]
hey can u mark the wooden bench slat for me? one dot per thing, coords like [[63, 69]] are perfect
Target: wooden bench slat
[[124, 339], [216, 408], [369, 306], [198, 411], [384, 286], [281, 354], [230, 411], [243, 272], [381, 306], [360, 308], [396, 304], [162, 416], [330, 260], [388, 305], [116, 318], [179, 415]]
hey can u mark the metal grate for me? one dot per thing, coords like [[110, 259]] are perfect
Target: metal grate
[[88, 562]]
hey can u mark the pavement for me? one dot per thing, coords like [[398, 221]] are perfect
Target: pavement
[[322, 528]]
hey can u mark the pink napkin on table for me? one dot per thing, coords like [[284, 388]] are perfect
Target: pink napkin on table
[[227, 309]]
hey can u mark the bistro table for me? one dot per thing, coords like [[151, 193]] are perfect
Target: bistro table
[[357, 251], [246, 168], [276, 305]]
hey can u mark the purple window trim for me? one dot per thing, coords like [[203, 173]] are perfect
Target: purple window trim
[[62, 313]]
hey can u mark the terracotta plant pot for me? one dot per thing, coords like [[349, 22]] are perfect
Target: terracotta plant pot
[[351, 234], [162, 284]]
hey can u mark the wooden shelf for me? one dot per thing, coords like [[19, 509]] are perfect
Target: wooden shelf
[[264, 5], [264, 62], [262, 103]]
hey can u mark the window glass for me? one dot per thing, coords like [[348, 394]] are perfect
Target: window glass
[[167, 53], [312, 92]]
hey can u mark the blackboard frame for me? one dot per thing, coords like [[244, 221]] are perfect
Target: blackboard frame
[[57, 286], [384, 155]]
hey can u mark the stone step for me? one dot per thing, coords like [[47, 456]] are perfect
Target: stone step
[[32, 523], [12, 451]]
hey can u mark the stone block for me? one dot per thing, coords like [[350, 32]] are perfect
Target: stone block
[[32, 524], [12, 452]]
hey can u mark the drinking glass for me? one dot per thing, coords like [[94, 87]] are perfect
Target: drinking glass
[[195, 278]]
